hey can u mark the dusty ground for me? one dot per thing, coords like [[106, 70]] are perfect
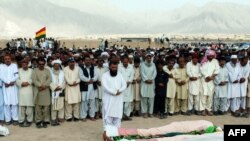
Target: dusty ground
[[91, 131]]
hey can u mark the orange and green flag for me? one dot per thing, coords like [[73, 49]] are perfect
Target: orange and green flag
[[41, 33]]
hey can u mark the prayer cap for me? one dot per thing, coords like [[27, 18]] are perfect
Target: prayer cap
[[56, 62], [234, 57]]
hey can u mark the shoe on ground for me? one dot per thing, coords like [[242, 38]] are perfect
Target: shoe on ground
[[69, 120], [44, 125], [39, 125], [203, 113], [15, 123]]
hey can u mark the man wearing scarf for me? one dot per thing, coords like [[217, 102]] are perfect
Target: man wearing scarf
[[209, 69], [57, 86], [148, 74]]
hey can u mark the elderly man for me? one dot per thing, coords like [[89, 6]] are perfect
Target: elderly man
[[41, 78], [209, 69], [57, 92], [26, 102], [233, 68], [148, 74]]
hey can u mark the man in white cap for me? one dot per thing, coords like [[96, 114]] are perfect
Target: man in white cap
[[233, 68], [148, 74], [105, 57], [26, 103], [57, 86], [209, 69]]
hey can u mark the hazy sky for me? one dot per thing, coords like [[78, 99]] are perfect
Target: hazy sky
[[137, 5]]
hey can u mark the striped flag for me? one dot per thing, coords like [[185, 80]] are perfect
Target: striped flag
[[41, 33]]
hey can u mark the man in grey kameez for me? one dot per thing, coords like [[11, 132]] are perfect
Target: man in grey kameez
[[148, 74]]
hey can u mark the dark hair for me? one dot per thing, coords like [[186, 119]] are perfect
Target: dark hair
[[243, 58], [158, 62], [137, 60], [222, 58], [113, 62], [41, 60]]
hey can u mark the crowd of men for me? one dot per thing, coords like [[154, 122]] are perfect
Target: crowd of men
[[51, 85]]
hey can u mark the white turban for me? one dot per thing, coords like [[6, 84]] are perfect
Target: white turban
[[56, 62], [234, 57], [105, 53]]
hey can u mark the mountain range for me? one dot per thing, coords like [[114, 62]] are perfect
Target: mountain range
[[25, 17]]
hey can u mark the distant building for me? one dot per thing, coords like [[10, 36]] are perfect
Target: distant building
[[135, 39]]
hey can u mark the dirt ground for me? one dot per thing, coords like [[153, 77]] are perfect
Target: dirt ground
[[92, 130]]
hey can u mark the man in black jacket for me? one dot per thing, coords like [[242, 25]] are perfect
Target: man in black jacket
[[88, 86], [161, 81]]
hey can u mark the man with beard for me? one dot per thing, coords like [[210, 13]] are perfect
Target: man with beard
[[127, 72], [26, 102], [57, 86], [148, 74], [209, 69], [41, 78], [72, 91], [9, 75], [233, 68], [113, 85], [171, 91], [88, 75]]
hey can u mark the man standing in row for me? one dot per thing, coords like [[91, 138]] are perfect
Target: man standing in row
[[10, 90], [26, 98], [41, 78], [233, 68], [72, 91], [193, 72], [88, 76], [57, 86], [127, 72], [148, 74], [209, 69]]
